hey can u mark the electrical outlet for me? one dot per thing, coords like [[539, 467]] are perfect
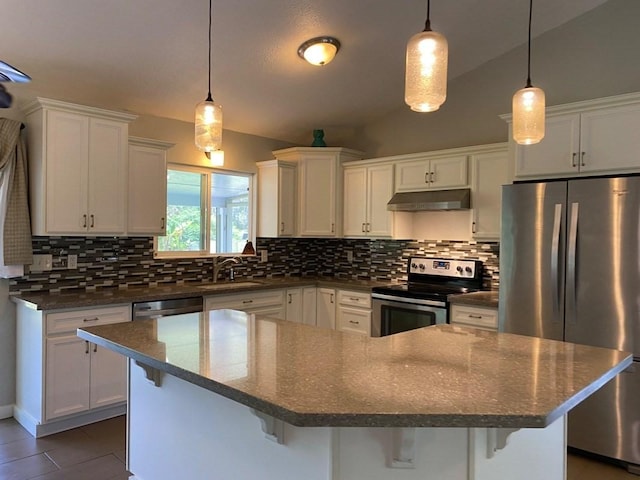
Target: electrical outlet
[[72, 262], [42, 263], [350, 256], [263, 255]]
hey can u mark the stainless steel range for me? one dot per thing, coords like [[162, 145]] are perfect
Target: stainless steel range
[[423, 300]]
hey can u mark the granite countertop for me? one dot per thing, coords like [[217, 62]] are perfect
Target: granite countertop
[[439, 376], [110, 296], [479, 299]]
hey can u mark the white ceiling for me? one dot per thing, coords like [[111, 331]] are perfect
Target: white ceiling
[[150, 56]]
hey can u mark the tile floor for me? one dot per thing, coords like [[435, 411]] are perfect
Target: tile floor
[[93, 452], [97, 452]]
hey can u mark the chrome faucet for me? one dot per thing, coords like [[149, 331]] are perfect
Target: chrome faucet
[[218, 264]]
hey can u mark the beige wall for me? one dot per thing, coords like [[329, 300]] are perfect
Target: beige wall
[[595, 55]]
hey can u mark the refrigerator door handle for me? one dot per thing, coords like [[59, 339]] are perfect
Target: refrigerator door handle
[[571, 263], [555, 251]]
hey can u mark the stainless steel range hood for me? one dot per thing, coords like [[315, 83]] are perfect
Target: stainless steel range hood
[[431, 200]]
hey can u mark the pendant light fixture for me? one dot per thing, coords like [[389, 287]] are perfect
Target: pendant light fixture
[[209, 115], [528, 106], [426, 69]]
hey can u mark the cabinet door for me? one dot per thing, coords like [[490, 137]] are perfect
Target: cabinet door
[[609, 140], [107, 176], [67, 376], [309, 305], [556, 154], [286, 201], [448, 172], [318, 182], [355, 202], [293, 305], [412, 176], [326, 308], [147, 205], [108, 384], [379, 192], [355, 320], [489, 173], [67, 153]]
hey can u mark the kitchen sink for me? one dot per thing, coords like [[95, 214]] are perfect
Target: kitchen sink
[[228, 285]]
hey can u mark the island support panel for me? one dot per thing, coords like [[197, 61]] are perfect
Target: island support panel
[[179, 430]]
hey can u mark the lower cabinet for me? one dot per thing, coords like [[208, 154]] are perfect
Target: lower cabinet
[[63, 381], [301, 305], [485, 318], [326, 308], [354, 312]]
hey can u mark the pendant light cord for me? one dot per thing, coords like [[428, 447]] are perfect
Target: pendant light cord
[[529, 48], [427, 23], [209, 98]]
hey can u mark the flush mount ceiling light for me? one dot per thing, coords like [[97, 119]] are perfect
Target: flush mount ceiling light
[[208, 116], [426, 69], [528, 106], [320, 50]]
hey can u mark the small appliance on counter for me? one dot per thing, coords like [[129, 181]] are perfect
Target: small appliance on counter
[[422, 301]]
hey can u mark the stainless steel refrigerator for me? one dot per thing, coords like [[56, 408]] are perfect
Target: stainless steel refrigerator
[[569, 270]]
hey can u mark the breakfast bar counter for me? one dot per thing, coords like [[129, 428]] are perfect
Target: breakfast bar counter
[[345, 406]]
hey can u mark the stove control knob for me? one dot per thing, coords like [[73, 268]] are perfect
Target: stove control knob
[[422, 267], [468, 270], [414, 265], [459, 269]]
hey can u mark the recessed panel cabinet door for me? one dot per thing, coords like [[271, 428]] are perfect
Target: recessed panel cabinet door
[[147, 208], [67, 151], [108, 377], [355, 202], [380, 191]]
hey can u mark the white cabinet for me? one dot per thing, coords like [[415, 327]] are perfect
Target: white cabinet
[[326, 308], [367, 189], [489, 171], [77, 168], [319, 187], [300, 305], [262, 302], [485, 318], [587, 138], [354, 312], [63, 381], [276, 198], [147, 205], [431, 173]]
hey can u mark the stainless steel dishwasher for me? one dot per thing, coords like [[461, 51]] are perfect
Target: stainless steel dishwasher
[[163, 308]]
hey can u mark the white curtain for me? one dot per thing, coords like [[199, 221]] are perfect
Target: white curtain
[[15, 224]]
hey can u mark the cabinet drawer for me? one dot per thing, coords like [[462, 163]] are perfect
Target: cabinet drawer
[[486, 318], [354, 299], [70, 320], [356, 320], [245, 301]]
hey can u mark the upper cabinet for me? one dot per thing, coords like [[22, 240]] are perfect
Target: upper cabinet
[[78, 168], [367, 189], [594, 137], [432, 173], [489, 171], [147, 205], [276, 198], [319, 187]]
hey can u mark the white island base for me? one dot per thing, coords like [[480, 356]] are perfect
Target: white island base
[[179, 430]]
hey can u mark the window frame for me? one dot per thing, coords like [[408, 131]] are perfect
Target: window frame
[[205, 201]]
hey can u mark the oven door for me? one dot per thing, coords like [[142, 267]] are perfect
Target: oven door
[[397, 314]]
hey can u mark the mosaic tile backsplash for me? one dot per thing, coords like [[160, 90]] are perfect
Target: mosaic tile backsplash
[[120, 262]]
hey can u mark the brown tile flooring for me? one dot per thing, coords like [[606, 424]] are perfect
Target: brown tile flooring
[[97, 452]]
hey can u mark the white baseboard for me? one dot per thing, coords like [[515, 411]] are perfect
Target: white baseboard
[[6, 411]]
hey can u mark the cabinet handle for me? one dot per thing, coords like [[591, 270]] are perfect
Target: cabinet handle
[[247, 301], [94, 319], [84, 221], [368, 227], [281, 227], [475, 316], [354, 299], [92, 220], [432, 177], [86, 347], [162, 223], [95, 348], [363, 228], [331, 298], [333, 225], [289, 298], [582, 159], [426, 177], [354, 322], [573, 159], [473, 227]]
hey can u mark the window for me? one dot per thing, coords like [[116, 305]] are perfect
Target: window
[[208, 212]]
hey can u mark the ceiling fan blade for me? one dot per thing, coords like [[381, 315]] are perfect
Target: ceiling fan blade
[[5, 98], [12, 74]]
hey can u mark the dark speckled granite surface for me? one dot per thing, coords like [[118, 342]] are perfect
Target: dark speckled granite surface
[[478, 299], [112, 296], [440, 376]]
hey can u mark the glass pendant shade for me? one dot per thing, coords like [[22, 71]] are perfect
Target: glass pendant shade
[[208, 126], [528, 115], [426, 71]]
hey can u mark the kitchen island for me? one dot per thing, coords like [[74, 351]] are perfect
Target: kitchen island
[[439, 402]]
